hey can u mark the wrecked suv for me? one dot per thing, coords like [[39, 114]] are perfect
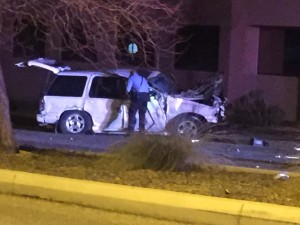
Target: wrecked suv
[[96, 102]]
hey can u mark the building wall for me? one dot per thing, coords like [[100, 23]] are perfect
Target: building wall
[[207, 13], [279, 90], [243, 53], [239, 55], [273, 13]]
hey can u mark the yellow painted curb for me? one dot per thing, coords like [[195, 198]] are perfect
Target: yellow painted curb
[[149, 202]]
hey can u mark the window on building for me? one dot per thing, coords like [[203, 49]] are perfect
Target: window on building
[[198, 48], [291, 64], [271, 49], [76, 47], [279, 51], [29, 39]]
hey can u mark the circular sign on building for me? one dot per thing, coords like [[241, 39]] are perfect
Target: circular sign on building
[[132, 48]]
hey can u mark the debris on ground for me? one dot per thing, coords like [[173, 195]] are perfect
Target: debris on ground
[[258, 142], [281, 176]]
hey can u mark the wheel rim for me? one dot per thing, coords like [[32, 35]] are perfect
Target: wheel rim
[[187, 128], [75, 123]]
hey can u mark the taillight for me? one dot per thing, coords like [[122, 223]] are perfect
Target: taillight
[[42, 105]]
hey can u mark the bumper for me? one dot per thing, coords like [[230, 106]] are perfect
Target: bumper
[[44, 119], [40, 118]]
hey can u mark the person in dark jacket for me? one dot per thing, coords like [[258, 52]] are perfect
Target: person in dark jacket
[[138, 89]]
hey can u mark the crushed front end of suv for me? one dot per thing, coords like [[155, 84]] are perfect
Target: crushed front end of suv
[[80, 102]]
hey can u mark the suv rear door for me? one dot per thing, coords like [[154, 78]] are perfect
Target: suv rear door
[[44, 63], [65, 93]]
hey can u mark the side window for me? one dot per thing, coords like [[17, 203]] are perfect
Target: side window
[[108, 87], [69, 86]]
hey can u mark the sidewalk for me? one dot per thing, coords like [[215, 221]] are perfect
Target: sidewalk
[[155, 203]]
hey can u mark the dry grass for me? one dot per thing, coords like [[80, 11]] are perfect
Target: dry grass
[[155, 152], [164, 167]]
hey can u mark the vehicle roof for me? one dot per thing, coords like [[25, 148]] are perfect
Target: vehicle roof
[[158, 80], [88, 73]]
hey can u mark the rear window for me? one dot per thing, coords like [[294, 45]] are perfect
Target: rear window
[[69, 86]]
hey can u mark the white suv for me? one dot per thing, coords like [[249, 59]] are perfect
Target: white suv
[[96, 102]]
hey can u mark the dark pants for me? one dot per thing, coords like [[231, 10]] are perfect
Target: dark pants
[[138, 103]]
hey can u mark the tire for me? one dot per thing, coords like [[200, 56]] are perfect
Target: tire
[[57, 128], [75, 122], [184, 125]]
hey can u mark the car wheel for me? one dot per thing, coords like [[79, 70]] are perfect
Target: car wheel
[[75, 122], [57, 128], [185, 125]]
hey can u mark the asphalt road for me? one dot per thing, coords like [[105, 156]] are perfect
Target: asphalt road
[[28, 139], [219, 153], [17, 210], [276, 156]]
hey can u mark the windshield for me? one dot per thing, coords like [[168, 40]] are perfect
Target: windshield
[[163, 83]]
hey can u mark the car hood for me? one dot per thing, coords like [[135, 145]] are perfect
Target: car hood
[[44, 63], [158, 80]]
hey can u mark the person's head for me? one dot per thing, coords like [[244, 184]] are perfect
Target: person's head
[[142, 71], [131, 72]]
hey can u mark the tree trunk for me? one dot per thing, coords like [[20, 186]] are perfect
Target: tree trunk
[[7, 142]]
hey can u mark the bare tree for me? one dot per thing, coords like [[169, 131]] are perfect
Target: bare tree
[[7, 142], [91, 28], [102, 26]]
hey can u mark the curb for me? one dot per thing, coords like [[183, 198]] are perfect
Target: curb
[[147, 202], [259, 171]]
